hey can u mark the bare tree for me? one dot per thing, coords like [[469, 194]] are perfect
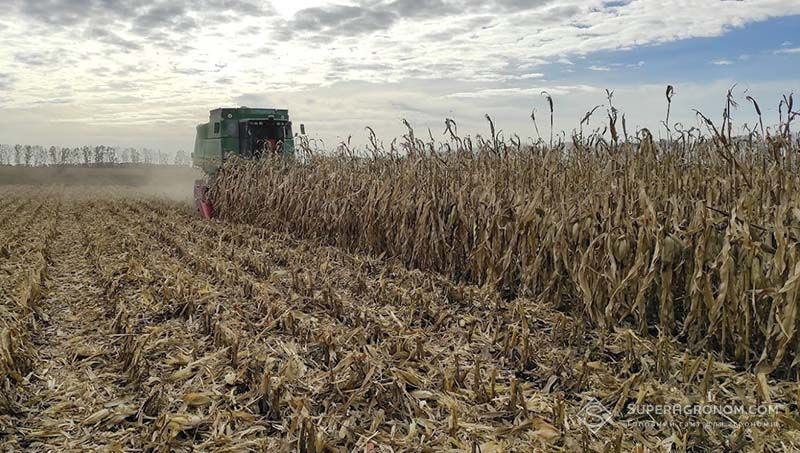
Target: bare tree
[[111, 155], [99, 154], [181, 158], [39, 156], [163, 158]]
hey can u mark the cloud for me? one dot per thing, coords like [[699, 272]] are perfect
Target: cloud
[[39, 59], [368, 16], [109, 37], [143, 17], [163, 16], [722, 62], [531, 75], [558, 90], [252, 8], [6, 81], [407, 38], [72, 12], [346, 62], [343, 20]]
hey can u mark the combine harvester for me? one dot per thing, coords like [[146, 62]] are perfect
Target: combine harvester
[[245, 132]]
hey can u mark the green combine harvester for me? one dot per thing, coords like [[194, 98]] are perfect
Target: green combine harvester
[[245, 132]]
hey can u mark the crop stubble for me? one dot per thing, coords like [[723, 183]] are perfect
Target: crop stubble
[[136, 326]]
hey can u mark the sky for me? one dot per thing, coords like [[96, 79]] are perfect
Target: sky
[[143, 73]]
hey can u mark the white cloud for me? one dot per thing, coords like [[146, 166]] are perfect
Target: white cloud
[[288, 8], [722, 62], [529, 76], [789, 50], [183, 60], [334, 112], [558, 90]]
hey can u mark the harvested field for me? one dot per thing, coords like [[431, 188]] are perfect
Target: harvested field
[[161, 180], [127, 324]]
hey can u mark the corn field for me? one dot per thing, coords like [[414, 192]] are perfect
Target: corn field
[[468, 295], [127, 323], [693, 238]]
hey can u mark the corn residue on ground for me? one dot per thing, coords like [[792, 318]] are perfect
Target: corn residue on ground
[[128, 324]]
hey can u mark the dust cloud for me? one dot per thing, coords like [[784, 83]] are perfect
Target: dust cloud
[[171, 182]]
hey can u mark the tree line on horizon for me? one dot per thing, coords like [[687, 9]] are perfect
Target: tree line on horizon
[[41, 156]]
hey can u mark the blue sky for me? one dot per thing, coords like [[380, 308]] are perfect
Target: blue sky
[[144, 72], [748, 53]]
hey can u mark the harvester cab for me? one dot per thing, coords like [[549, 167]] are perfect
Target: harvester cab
[[245, 132]]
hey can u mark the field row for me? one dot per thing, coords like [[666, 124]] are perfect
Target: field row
[[149, 329]]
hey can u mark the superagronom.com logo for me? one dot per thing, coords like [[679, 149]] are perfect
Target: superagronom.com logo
[[594, 415]]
